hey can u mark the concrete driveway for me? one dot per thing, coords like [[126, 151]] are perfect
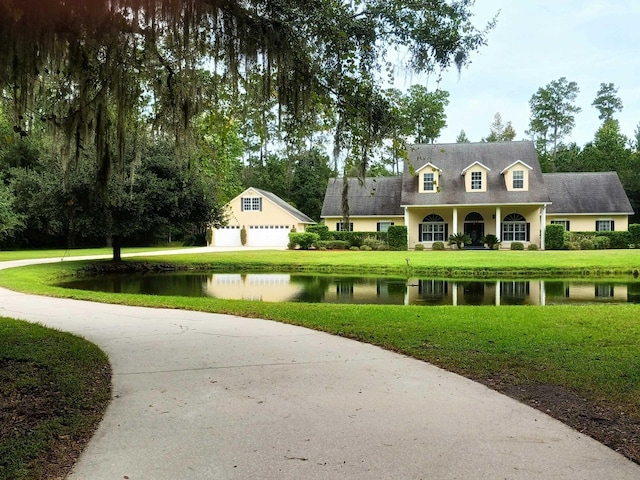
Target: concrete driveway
[[206, 396]]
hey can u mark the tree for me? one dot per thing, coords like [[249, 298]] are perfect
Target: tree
[[552, 114], [607, 102], [462, 137], [608, 151], [424, 113], [500, 132], [311, 175], [88, 69], [10, 221]]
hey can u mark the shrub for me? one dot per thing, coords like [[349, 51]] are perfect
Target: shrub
[[586, 244], [634, 234], [320, 229], [554, 237], [438, 246], [459, 240], [397, 237], [354, 248], [356, 238], [366, 248], [573, 245], [491, 241], [601, 242], [243, 236], [332, 244], [375, 243], [532, 246], [419, 247], [304, 240], [209, 236], [517, 246]]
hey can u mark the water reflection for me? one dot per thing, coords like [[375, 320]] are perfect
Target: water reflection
[[284, 287]]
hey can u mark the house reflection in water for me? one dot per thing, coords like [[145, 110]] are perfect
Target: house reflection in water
[[284, 287], [516, 292], [265, 287]]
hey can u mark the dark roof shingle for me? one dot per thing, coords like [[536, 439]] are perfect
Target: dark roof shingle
[[374, 196], [591, 192], [453, 158]]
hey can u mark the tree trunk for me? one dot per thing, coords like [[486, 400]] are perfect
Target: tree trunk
[[117, 249]]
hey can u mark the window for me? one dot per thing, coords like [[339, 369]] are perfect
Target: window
[[514, 228], [518, 179], [476, 180], [384, 226], [604, 226], [251, 203], [428, 182], [433, 229], [341, 227], [564, 223]]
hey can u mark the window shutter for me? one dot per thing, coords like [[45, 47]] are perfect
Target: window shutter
[[528, 232], [241, 204], [568, 223], [446, 232], [378, 227], [260, 204], [613, 226], [597, 226]]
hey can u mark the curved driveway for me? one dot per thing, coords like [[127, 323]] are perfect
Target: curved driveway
[[206, 396]]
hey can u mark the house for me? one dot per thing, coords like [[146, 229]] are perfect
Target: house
[[266, 218], [479, 189]]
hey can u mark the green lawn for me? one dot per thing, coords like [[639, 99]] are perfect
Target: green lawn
[[54, 388], [592, 352], [7, 255]]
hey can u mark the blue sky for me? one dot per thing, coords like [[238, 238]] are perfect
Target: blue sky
[[537, 41]]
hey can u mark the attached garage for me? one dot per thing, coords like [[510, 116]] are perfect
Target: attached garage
[[267, 219]]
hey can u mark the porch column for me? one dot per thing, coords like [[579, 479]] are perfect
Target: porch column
[[498, 293], [406, 223], [455, 222], [543, 224], [498, 218]]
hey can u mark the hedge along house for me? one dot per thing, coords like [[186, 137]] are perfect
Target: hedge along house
[[481, 189], [266, 218]]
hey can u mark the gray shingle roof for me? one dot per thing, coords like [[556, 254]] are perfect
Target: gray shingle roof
[[453, 158], [285, 206], [374, 196], [599, 192]]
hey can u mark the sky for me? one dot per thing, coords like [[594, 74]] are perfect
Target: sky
[[535, 42]]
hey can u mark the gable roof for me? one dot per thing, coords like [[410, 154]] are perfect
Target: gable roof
[[520, 162], [375, 196], [468, 167], [586, 192], [454, 158], [297, 214]]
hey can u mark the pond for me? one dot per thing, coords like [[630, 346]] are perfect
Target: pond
[[317, 288]]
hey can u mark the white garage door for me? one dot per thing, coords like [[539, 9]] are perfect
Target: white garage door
[[268, 235], [227, 237]]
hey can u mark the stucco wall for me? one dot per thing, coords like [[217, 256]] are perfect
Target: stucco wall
[[271, 214], [587, 223], [363, 224]]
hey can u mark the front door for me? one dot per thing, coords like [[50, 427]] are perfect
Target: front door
[[475, 230]]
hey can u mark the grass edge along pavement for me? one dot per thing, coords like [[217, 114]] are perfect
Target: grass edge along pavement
[[581, 364], [54, 389]]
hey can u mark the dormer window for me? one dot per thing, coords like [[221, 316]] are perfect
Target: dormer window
[[428, 178], [476, 180], [428, 182], [518, 179], [516, 176]]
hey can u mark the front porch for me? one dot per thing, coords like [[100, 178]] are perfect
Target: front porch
[[510, 223]]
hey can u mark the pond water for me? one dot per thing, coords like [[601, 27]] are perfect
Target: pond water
[[316, 288]]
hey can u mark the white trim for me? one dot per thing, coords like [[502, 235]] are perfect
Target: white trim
[[472, 165], [429, 164], [474, 205], [515, 163], [588, 214]]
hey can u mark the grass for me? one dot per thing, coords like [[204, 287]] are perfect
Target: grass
[[54, 388], [591, 351], [8, 255]]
